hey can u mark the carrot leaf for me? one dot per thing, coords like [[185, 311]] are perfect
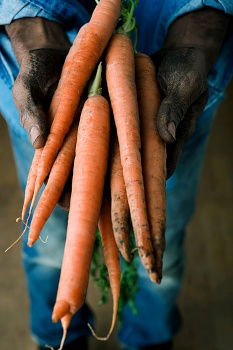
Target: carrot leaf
[[128, 23]]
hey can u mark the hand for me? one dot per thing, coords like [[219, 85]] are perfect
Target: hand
[[183, 82], [190, 49], [40, 47]]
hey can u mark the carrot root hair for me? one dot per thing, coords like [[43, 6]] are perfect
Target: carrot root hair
[[44, 241], [110, 330], [18, 239]]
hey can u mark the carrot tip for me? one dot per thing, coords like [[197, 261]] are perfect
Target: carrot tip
[[127, 257], [61, 309], [154, 277], [126, 253], [96, 336], [30, 242], [65, 321], [55, 319]]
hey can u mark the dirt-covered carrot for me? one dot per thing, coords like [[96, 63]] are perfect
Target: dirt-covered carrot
[[120, 76], [153, 154], [55, 185], [78, 67], [119, 204], [87, 188], [112, 259]]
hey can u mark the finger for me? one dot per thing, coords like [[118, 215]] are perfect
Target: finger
[[188, 124], [64, 200], [173, 154], [29, 102], [171, 112], [184, 131], [174, 150], [34, 120]]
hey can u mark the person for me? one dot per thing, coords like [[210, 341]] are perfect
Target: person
[[191, 43]]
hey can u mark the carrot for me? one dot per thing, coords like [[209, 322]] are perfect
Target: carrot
[[32, 176], [120, 78], [78, 67], [55, 185], [87, 187], [31, 180], [153, 154], [119, 204], [112, 260], [57, 178]]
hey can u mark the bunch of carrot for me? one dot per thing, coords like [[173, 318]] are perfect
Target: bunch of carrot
[[79, 141]]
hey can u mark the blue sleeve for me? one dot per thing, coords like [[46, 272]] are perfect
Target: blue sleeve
[[222, 5], [155, 16], [63, 11], [178, 8]]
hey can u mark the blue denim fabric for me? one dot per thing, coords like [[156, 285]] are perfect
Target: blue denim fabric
[[158, 317]]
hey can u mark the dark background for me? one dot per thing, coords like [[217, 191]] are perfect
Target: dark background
[[206, 298]]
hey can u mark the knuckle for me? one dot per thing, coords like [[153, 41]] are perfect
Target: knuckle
[[16, 88], [22, 118], [20, 88]]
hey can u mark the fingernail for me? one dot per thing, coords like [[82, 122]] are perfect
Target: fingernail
[[172, 129], [34, 134]]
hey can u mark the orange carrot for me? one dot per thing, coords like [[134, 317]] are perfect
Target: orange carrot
[[87, 188], [31, 180], [119, 204], [78, 67], [153, 154], [120, 77], [112, 260], [32, 176], [55, 185]]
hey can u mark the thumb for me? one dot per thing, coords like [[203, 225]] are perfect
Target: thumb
[[32, 115], [170, 114], [34, 121]]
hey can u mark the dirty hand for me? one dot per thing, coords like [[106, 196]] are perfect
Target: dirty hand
[[40, 46], [191, 47]]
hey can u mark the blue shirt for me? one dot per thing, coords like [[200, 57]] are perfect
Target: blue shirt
[[153, 18]]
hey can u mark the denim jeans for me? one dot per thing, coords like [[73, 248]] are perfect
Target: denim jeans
[[158, 318]]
